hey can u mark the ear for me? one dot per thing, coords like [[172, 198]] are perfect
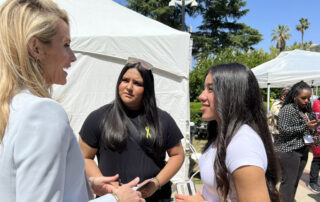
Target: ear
[[34, 47]]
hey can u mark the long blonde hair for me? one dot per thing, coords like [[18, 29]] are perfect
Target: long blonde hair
[[20, 21]]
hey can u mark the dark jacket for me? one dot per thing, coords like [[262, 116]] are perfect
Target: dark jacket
[[292, 126]]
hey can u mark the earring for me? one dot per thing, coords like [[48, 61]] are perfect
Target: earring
[[37, 63]]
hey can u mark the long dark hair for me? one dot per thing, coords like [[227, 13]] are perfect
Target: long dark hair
[[238, 101], [116, 122], [295, 91]]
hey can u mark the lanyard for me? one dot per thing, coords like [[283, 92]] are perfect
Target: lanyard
[[305, 114]]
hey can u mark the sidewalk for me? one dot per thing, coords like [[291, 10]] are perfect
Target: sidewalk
[[304, 194]]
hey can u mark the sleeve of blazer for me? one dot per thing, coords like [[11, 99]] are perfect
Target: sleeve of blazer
[[289, 123], [40, 150]]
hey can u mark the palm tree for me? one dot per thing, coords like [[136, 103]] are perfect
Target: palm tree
[[304, 25], [281, 34]]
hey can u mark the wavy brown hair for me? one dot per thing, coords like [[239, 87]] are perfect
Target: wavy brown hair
[[238, 101]]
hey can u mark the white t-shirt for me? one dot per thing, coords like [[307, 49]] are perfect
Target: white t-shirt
[[245, 148]]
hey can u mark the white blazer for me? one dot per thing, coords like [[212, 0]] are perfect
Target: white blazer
[[40, 159]]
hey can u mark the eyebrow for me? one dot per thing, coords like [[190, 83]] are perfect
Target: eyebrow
[[132, 79]]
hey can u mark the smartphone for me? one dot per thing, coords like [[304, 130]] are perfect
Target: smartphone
[[144, 185], [308, 139]]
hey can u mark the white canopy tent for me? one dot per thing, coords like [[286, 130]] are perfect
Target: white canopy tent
[[104, 34], [289, 68]]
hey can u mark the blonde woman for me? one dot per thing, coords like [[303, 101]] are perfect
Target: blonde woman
[[40, 159]]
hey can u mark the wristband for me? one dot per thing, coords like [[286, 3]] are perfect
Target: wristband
[[158, 182], [116, 196]]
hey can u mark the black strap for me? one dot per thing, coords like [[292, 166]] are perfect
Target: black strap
[[134, 133], [136, 136]]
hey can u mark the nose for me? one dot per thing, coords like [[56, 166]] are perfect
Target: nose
[[202, 97], [129, 85], [72, 56]]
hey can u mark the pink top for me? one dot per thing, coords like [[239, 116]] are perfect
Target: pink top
[[316, 110]]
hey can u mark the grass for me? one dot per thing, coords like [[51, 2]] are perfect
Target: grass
[[265, 105], [195, 107]]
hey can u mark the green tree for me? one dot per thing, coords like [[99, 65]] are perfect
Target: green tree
[[251, 59], [304, 25], [220, 29], [281, 35], [246, 38], [159, 10]]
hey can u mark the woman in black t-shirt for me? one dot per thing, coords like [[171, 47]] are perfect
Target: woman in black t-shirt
[[131, 136]]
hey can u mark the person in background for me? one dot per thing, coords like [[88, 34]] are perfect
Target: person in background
[[131, 135], [274, 111], [40, 158], [296, 127], [239, 163], [315, 165]]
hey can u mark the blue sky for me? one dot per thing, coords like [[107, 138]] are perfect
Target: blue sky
[[265, 15]]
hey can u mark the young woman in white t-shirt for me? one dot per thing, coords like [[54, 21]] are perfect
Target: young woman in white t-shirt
[[239, 162]]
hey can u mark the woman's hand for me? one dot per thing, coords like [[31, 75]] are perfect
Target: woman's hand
[[315, 138], [127, 194], [186, 198], [149, 189], [102, 185], [312, 124]]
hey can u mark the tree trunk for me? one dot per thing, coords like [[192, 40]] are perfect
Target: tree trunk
[[302, 33]]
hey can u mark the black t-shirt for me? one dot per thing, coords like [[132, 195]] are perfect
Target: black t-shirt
[[131, 161]]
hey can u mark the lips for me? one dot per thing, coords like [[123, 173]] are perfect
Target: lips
[[65, 69], [128, 95], [203, 107]]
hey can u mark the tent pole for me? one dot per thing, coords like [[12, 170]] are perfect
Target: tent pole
[[312, 88], [268, 98], [317, 90]]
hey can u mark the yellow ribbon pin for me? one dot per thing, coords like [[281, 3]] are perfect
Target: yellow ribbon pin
[[148, 132]]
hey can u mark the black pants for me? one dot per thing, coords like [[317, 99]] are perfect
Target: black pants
[[292, 166], [314, 171]]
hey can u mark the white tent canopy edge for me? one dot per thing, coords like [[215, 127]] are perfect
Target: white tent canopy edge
[[289, 68]]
